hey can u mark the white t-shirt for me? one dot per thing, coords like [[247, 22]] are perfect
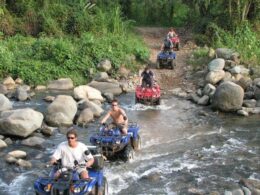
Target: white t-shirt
[[68, 154]]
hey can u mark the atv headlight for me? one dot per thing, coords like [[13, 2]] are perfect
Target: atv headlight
[[117, 141], [76, 190], [47, 188]]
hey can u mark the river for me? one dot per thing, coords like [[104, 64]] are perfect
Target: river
[[185, 148]]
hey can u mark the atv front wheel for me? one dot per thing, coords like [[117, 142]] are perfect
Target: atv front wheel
[[137, 143]]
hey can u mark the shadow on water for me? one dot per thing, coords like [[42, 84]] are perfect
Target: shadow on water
[[182, 149]]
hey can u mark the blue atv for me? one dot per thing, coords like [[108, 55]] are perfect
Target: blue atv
[[166, 59], [114, 145], [69, 182]]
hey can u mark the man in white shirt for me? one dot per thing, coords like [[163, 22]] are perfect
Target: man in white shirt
[[71, 151]]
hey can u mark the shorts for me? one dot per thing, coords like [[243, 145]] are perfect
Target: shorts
[[119, 125]]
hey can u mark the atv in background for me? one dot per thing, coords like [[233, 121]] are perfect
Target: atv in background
[[69, 182], [114, 145], [148, 95], [176, 42], [166, 59]]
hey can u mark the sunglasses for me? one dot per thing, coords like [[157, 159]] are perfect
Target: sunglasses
[[70, 137], [114, 104]]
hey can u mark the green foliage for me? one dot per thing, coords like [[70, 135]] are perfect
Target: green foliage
[[242, 40], [199, 58]]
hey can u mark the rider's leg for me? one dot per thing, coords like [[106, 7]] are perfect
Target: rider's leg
[[84, 174]]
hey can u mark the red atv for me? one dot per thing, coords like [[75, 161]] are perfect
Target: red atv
[[148, 95], [176, 42]]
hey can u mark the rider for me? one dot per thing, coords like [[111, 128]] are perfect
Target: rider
[[118, 115], [167, 44], [71, 151], [171, 33], [147, 77]]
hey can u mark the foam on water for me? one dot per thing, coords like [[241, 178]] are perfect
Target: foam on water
[[16, 184], [143, 107]]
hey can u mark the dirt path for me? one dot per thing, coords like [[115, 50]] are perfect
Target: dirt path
[[169, 79]]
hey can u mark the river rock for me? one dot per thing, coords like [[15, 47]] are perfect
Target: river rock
[[216, 64], [17, 154], [101, 76], [21, 93], [10, 159], [209, 90], [49, 98], [111, 87], [228, 97], [85, 116], [20, 122], [252, 185], [244, 82], [87, 92], [152, 177], [237, 192], [104, 65], [40, 88], [9, 83], [48, 131], [8, 141], [242, 113], [2, 144], [24, 163], [33, 141], [3, 89], [214, 77], [203, 100], [249, 103], [61, 84], [5, 104], [61, 111], [96, 109], [18, 81], [225, 53], [257, 93]]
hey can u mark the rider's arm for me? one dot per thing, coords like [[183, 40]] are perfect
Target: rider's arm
[[124, 114], [105, 118], [56, 155], [90, 159]]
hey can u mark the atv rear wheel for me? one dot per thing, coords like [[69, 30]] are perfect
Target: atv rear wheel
[[173, 64], [158, 101], [137, 143], [136, 100], [104, 187], [128, 153], [178, 46], [158, 64]]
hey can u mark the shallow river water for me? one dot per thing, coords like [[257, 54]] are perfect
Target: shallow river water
[[182, 150]]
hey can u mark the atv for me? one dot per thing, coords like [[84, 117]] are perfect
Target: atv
[[114, 145], [166, 59], [148, 95], [69, 182]]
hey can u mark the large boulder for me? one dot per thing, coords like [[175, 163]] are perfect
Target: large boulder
[[61, 84], [216, 64], [110, 87], [95, 108], [87, 92], [227, 54], [61, 111], [5, 104], [228, 97], [20, 122]]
